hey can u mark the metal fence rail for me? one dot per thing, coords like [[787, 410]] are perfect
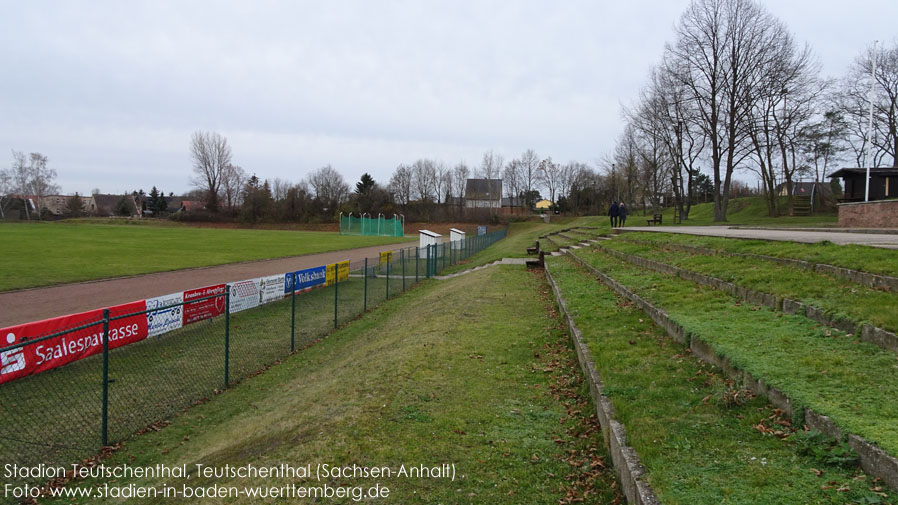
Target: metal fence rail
[[63, 415]]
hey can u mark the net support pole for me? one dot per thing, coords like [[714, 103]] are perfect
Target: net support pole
[[227, 350], [104, 429], [293, 312], [365, 296]]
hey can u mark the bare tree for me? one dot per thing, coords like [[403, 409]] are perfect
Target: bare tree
[[6, 187], [666, 113], [491, 165], [824, 142], [550, 176], [722, 50], [279, 188], [20, 178], [41, 179], [625, 184], [439, 181], [330, 188], [460, 175], [855, 102], [211, 156], [510, 180], [569, 174], [232, 183], [424, 179], [528, 174], [401, 184], [491, 168], [447, 181]]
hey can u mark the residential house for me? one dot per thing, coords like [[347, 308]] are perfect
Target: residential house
[[483, 194], [58, 205]]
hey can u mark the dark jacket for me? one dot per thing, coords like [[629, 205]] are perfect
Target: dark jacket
[[613, 211], [622, 211]]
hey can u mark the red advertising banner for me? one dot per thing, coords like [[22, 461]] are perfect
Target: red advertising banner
[[203, 309], [57, 351]]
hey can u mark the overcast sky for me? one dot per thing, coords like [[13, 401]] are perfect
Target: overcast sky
[[111, 91]]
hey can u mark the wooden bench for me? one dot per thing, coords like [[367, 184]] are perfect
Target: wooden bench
[[534, 249], [656, 219]]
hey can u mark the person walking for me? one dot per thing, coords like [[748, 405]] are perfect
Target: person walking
[[622, 215], [613, 211]]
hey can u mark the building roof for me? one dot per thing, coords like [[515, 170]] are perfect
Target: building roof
[[191, 205], [106, 203], [483, 189], [429, 233], [860, 172]]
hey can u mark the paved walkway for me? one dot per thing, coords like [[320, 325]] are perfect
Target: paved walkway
[[887, 240]]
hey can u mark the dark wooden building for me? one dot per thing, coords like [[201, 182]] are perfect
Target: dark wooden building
[[883, 183]]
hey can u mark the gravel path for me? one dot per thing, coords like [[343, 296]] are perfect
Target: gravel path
[[17, 307]]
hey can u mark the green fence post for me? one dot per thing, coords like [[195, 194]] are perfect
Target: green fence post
[[388, 276], [417, 255], [105, 414], [227, 355], [292, 312], [402, 259], [336, 282], [365, 303]]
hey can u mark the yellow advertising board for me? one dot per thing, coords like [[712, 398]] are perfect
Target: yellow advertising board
[[342, 271], [330, 274], [386, 257], [338, 271]]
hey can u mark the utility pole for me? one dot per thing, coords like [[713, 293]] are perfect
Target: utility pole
[[867, 159]]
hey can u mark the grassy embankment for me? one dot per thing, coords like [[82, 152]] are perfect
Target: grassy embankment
[[839, 297], [817, 367], [41, 254], [695, 431], [472, 372], [749, 211], [858, 257]]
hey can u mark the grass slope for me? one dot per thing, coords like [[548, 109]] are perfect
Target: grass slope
[[746, 211], [693, 431], [839, 297], [41, 254], [857, 257], [458, 372], [853, 382]]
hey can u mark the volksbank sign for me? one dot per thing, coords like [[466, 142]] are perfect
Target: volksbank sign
[[305, 279]]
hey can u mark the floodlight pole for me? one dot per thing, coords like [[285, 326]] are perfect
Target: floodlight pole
[[868, 160]]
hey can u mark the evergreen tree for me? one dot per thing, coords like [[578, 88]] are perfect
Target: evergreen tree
[[74, 207]]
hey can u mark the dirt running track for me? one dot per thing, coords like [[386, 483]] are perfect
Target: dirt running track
[[28, 305]]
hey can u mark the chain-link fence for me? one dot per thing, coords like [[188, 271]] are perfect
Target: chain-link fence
[[375, 226], [105, 388]]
